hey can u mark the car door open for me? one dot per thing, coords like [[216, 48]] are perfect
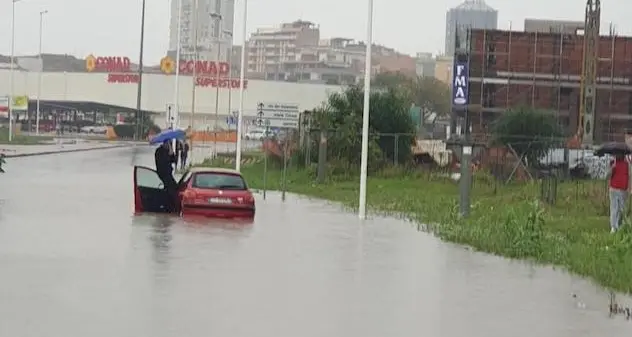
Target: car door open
[[149, 192]]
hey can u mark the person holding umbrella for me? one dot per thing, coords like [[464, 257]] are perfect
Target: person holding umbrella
[[165, 157], [618, 181]]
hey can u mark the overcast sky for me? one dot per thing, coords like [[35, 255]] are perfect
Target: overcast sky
[[111, 27]]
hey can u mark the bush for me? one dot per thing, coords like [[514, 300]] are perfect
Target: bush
[[125, 131], [342, 115]]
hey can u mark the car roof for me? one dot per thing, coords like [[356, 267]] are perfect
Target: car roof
[[214, 170]]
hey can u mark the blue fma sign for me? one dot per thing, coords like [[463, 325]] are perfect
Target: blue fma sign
[[460, 84]]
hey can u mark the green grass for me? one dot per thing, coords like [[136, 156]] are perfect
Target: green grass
[[21, 139], [505, 220]]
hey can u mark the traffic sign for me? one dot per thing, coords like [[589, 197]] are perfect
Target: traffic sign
[[170, 114], [231, 120], [278, 115]]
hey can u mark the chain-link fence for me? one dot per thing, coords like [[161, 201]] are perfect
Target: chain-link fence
[[544, 169]]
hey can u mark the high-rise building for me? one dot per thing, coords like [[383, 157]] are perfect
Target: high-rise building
[[214, 28], [471, 14]]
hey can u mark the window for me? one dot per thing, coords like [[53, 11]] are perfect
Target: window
[[185, 179], [221, 181], [147, 178]]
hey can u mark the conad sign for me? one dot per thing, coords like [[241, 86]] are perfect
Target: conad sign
[[119, 68], [207, 73]]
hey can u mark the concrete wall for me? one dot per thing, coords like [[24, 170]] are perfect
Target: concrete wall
[[159, 90]]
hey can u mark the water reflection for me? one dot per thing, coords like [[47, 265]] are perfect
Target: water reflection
[[617, 309], [83, 266], [160, 237]]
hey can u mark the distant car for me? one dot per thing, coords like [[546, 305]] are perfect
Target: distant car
[[209, 192], [258, 134], [94, 129]]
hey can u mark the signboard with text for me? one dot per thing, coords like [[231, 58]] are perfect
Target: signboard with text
[[278, 115], [460, 84], [207, 73], [118, 68], [4, 106]]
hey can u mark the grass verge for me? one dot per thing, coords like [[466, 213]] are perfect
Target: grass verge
[[506, 221], [21, 139]]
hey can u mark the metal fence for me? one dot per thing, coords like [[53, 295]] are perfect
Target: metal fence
[[546, 169]]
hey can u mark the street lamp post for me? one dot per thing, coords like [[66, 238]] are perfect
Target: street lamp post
[[242, 75], [176, 97], [41, 70], [218, 21], [365, 114], [139, 89], [194, 76], [229, 51], [11, 72]]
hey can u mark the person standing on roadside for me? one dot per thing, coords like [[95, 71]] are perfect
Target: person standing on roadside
[[619, 184], [184, 154]]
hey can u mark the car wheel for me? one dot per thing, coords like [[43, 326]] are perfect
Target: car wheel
[[247, 138]]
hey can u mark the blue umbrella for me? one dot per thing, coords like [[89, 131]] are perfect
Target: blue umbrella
[[168, 135]]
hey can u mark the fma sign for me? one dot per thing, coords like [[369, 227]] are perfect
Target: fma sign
[[460, 84]]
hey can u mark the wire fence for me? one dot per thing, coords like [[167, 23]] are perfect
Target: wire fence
[[544, 168]]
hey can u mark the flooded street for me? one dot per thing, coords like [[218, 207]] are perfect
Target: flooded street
[[76, 262]]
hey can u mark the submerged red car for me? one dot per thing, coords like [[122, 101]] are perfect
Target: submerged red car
[[210, 192]]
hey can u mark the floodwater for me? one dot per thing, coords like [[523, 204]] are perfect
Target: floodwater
[[75, 262]]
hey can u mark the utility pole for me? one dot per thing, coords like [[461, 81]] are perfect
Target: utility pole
[[194, 75], [39, 75], [218, 20], [139, 90], [589, 72]]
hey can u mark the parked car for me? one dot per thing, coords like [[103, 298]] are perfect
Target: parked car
[[258, 134], [98, 129], [208, 192]]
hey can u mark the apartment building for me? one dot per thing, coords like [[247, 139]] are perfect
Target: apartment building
[[213, 30], [553, 26], [269, 48], [425, 65], [443, 68]]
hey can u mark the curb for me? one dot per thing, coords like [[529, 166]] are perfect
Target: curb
[[45, 153]]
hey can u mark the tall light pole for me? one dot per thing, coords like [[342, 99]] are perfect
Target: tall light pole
[[229, 51], [139, 89], [242, 75], [41, 70], [218, 31], [176, 98], [365, 114], [11, 72], [194, 75]]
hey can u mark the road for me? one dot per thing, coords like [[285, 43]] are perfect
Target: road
[[75, 262]]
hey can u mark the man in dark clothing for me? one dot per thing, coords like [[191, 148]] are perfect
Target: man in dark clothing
[[165, 158], [184, 154], [178, 153]]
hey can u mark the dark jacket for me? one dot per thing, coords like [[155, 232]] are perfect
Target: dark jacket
[[164, 162]]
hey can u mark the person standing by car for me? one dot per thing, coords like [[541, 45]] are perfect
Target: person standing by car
[[165, 158], [184, 154], [178, 152], [619, 186]]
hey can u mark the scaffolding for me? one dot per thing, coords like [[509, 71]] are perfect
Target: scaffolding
[[544, 70], [588, 91]]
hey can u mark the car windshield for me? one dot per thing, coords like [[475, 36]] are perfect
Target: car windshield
[[220, 181]]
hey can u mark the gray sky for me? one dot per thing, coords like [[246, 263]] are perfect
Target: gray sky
[[111, 28]]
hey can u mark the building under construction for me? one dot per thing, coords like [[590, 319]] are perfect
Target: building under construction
[[585, 78]]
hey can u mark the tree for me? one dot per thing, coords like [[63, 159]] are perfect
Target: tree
[[529, 132], [428, 93], [389, 116]]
